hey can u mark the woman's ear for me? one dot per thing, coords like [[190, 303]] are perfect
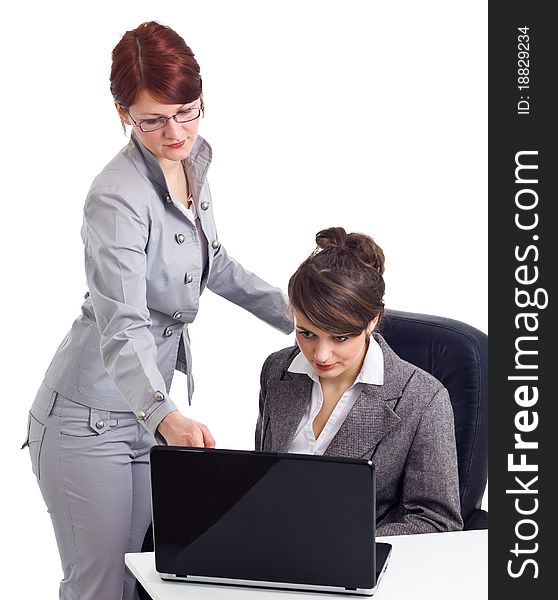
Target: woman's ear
[[372, 325], [122, 112], [124, 117]]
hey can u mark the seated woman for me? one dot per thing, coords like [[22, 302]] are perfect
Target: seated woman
[[343, 391]]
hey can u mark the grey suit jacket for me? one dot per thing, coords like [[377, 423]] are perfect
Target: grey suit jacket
[[145, 277], [405, 426]]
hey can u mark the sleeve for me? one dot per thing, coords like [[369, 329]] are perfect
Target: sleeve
[[258, 445], [232, 281], [115, 235], [430, 492]]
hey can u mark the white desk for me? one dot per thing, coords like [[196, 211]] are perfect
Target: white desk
[[428, 566]]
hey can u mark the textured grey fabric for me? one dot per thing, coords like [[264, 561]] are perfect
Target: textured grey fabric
[[405, 425]]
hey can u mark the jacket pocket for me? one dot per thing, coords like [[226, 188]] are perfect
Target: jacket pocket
[[35, 436]]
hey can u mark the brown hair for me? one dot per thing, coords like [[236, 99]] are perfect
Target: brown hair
[[339, 288], [154, 58]]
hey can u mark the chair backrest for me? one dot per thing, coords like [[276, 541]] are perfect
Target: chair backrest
[[457, 355]]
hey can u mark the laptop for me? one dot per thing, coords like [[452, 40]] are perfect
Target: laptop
[[289, 521]]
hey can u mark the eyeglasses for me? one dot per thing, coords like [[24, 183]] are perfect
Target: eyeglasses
[[182, 116]]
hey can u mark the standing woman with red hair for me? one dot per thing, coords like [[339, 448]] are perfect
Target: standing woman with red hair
[[151, 247]]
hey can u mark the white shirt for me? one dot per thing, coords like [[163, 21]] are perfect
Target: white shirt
[[372, 372]]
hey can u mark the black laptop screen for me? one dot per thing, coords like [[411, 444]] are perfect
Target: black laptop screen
[[263, 517]]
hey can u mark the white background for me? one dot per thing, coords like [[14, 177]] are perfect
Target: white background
[[365, 114]]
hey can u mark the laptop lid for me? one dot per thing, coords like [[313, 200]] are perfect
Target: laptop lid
[[254, 518]]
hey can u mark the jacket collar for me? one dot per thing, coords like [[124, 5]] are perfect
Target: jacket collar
[[196, 164], [371, 418]]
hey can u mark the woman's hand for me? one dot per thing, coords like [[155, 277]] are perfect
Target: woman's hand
[[180, 431]]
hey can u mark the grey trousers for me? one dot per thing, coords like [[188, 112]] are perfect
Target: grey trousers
[[92, 467]]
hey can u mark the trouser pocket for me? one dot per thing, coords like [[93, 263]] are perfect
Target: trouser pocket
[[35, 436], [77, 420]]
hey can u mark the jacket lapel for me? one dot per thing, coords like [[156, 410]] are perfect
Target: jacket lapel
[[289, 399], [370, 419], [373, 414]]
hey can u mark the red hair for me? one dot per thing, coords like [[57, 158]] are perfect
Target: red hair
[[155, 59]]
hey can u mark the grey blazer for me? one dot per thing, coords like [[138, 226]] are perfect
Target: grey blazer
[[405, 426], [143, 261]]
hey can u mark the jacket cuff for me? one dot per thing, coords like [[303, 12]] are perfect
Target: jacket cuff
[[155, 412]]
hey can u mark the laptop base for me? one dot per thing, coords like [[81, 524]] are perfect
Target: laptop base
[[383, 554]]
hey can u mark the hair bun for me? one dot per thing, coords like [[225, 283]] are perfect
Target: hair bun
[[359, 245], [332, 237]]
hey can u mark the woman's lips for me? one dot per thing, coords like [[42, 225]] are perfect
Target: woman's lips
[[176, 146], [324, 367]]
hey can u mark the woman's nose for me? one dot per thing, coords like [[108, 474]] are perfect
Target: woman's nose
[[172, 129], [322, 352]]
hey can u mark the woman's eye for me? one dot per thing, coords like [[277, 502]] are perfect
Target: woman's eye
[[151, 122], [341, 338], [306, 334]]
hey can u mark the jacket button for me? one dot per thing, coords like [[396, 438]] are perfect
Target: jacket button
[[177, 315], [159, 396], [204, 205], [168, 199], [215, 244], [188, 278], [99, 424], [141, 415], [167, 332], [179, 237]]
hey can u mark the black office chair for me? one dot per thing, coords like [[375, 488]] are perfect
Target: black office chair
[[457, 355]]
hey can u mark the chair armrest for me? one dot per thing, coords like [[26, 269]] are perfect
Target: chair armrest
[[477, 520]]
